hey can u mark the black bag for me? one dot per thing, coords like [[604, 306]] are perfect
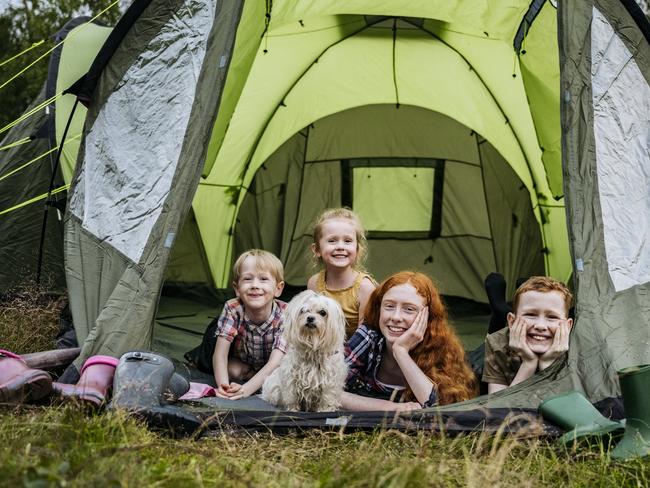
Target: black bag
[[201, 356]]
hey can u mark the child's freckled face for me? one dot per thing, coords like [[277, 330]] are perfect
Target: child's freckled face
[[399, 307], [337, 246], [256, 287], [544, 312]]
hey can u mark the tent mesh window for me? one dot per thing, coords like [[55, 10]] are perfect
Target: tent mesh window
[[395, 197]]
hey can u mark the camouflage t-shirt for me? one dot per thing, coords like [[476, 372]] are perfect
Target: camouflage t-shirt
[[501, 365]]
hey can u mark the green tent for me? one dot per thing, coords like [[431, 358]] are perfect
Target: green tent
[[217, 126], [31, 226]]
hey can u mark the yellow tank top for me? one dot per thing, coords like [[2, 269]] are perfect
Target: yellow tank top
[[348, 298]]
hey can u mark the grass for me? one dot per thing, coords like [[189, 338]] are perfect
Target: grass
[[62, 446], [65, 446], [29, 320]]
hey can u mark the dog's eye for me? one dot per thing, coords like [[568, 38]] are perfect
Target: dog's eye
[[322, 313]]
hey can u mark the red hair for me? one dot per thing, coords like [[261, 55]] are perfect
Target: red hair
[[543, 284], [440, 355]]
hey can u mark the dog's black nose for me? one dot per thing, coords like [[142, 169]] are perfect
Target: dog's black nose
[[310, 322]]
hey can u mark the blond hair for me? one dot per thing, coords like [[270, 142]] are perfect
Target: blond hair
[[543, 284], [341, 213], [264, 261]]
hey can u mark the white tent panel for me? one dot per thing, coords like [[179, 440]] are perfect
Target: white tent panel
[[621, 98], [125, 177]]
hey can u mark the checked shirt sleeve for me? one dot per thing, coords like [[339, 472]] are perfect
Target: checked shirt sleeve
[[227, 323], [356, 355]]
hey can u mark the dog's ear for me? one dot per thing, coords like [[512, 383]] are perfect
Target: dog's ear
[[292, 312]]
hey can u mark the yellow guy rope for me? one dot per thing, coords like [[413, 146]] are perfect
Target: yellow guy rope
[[36, 44], [29, 113], [22, 166], [19, 142], [35, 199], [72, 34]]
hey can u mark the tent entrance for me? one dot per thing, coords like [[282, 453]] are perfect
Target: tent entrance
[[434, 196]]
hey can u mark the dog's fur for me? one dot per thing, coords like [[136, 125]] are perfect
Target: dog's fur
[[312, 374]]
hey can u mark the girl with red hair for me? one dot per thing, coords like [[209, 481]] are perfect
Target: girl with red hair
[[406, 350]]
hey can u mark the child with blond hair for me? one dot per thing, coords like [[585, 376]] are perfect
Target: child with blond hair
[[249, 330], [340, 247]]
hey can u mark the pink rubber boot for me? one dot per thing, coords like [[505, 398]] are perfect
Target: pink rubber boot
[[95, 380], [20, 383]]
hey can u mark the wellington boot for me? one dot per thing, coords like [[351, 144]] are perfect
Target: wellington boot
[[94, 382], [20, 383], [178, 386], [573, 412], [635, 382], [140, 380]]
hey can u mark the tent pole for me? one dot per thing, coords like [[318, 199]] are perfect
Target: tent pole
[[48, 201]]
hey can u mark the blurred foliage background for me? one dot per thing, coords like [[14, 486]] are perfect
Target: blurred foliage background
[[27, 22]]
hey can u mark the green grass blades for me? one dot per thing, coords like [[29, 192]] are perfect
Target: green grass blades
[[29, 320], [62, 446]]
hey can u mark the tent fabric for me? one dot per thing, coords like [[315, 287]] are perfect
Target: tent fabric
[[611, 331], [77, 54], [249, 117], [114, 284], [254, 414], [120, 203], [20, 229], [621, 100], [363, 63], [538, 55]]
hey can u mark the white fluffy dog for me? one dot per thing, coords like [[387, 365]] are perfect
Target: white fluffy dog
[[312, 374]]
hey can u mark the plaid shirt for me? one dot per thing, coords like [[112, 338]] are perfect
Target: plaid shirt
[[252, 343], [363, 353]]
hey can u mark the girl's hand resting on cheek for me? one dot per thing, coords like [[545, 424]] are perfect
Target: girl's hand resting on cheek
[[415, 334]]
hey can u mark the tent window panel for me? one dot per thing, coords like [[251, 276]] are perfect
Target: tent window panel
[[464, 207], [394, 200]]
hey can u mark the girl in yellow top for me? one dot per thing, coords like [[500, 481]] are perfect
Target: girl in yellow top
[[340, 247]]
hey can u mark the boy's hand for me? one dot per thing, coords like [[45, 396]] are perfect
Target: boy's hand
[[415, 334], [228, 391], [517, 342], [222, 391], [242, 391], [559, 346]]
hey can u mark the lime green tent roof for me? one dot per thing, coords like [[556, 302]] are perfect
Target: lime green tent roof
[[444, 63]]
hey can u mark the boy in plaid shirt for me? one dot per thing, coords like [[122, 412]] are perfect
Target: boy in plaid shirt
[[249, 331]]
